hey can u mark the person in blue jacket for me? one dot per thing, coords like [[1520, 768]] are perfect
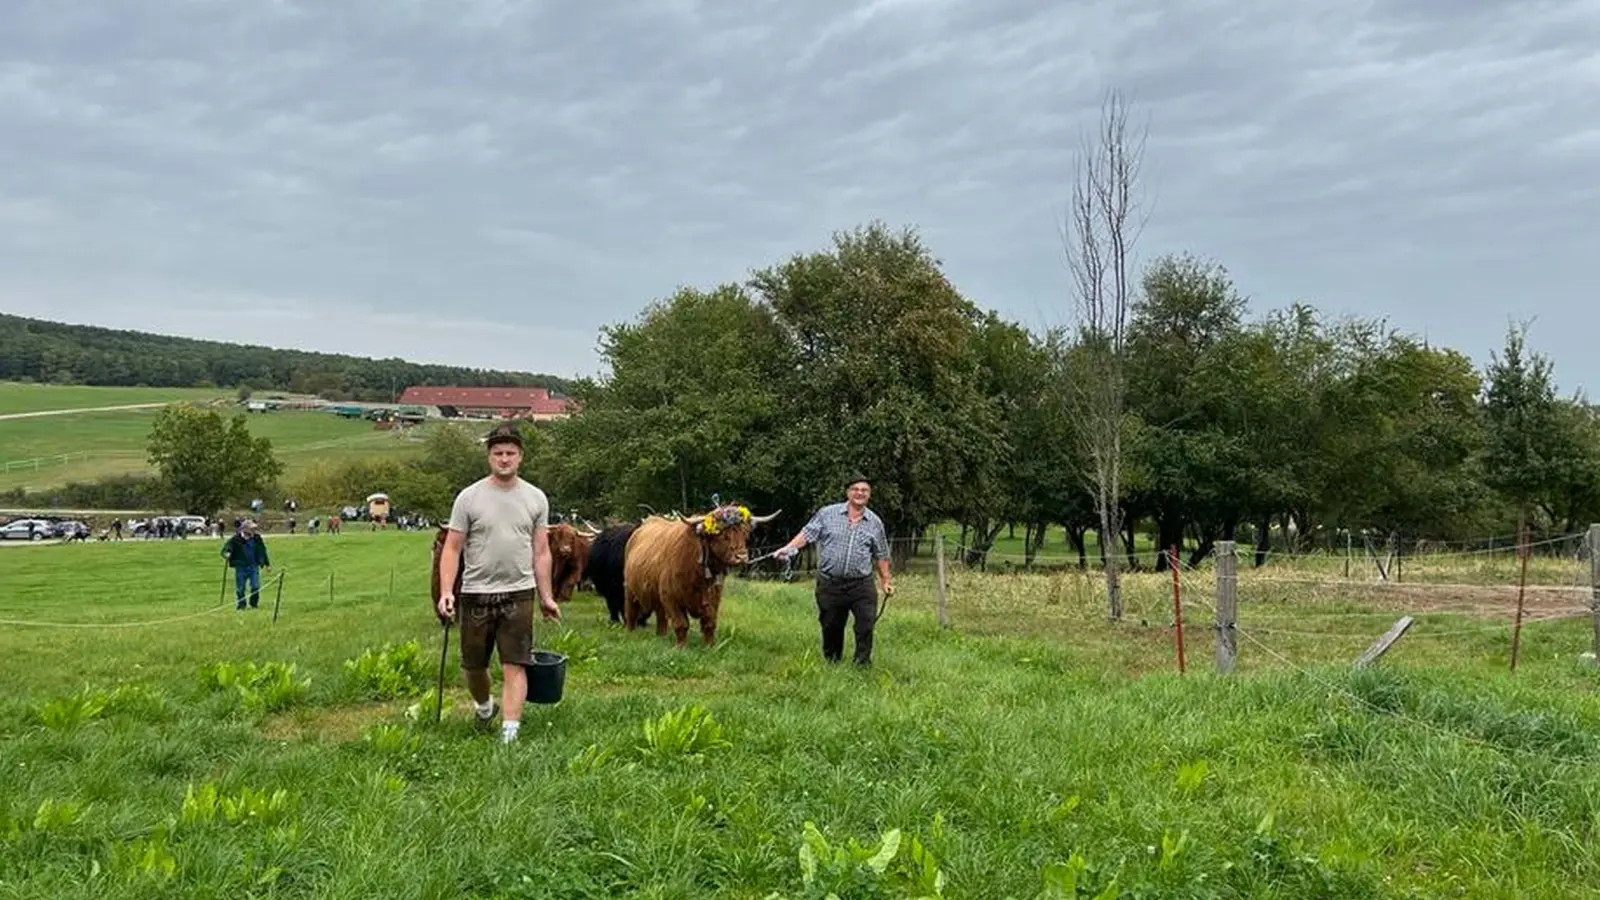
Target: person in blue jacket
[[246, 553]]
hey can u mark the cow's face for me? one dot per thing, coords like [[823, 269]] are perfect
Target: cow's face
[[726, 533], [730, 546], [563, 542]]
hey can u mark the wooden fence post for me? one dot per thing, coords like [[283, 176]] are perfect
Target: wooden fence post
[[1227, 606], [938, 585], [1177, 606], [1594, 583]]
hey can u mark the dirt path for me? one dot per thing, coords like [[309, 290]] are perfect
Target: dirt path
[[1488, 600], [80, 409]]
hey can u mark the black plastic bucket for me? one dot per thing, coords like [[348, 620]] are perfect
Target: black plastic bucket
[[547, 676]]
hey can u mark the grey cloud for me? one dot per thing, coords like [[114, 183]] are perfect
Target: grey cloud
[[547, 168]]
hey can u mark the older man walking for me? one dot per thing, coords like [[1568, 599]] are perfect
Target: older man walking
[[246, 554], [850, 540], [497, 532]]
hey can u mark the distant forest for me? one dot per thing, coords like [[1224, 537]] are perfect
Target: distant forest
[[58, 353]]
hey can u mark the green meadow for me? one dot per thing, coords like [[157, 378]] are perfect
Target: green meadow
[[19, 397], [101, 444], [156, 743]]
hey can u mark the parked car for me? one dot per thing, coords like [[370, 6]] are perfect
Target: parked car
[[26, 530], [68, 529]]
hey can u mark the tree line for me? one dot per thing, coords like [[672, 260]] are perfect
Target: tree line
[[1280, 429], [58, 353]]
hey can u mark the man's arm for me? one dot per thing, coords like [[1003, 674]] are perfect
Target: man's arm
[[449, 568], [802, 537], [880, 552], [541, 572]]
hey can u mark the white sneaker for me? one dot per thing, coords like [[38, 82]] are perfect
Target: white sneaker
[[485, 718], [508, 732]]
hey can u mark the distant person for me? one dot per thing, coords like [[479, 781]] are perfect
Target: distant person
[[850, 540], [246, 553], [497, 534]]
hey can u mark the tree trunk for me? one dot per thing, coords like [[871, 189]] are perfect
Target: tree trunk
[[1263, 539], [1076, 537], [683, 489], [983, 537], [1169, 533], [900, 546], [1128, 542]]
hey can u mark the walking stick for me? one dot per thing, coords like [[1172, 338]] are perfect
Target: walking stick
[[222, 592], [279, 601], [444, 651]]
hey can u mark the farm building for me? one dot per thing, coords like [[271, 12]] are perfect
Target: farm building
[[497, 402]]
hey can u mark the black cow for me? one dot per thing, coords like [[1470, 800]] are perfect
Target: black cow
[[608, 555]]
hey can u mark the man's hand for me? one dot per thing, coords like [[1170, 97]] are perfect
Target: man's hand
[[547, 606], [785, 552], [888, 588], [447, 605]]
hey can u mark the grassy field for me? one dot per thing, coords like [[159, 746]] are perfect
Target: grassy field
[[1030, 746], [113, 443], [16, 397]]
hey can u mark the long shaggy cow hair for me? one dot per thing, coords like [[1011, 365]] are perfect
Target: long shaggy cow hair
[[675, 566]]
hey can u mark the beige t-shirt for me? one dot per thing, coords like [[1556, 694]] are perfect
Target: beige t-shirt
[[498, 524]]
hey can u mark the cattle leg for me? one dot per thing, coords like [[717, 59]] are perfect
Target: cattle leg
[[708, 631]]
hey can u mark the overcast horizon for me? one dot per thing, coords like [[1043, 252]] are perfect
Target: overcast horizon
[[488, 183]]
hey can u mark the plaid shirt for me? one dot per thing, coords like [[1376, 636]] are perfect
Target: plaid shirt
[[844, 551]]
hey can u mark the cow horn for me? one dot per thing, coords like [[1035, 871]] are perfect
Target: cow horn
[[757, 520]]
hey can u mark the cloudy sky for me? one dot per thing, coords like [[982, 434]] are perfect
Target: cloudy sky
[[487, 182]]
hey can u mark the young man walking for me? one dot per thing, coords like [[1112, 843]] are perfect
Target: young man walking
[[850, 541], [246, 554], [498, 541]]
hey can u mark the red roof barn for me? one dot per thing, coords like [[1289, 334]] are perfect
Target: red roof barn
[[535, 403]]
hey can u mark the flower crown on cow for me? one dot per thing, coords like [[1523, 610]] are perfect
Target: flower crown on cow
[[722, 517]]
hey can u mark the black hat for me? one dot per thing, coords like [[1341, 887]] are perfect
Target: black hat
[[504, 434], [856, 478]]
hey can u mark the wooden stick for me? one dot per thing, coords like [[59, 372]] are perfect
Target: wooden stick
[[1177, 607], [1522, 585], [1383, 643]]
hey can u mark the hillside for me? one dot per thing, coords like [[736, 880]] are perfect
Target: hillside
[[60, 353], [51, 435]]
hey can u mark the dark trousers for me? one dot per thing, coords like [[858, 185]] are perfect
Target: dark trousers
[[242, 576], [837, 600]]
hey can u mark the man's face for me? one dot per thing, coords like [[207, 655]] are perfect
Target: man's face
[[504, 459], [859, 493]]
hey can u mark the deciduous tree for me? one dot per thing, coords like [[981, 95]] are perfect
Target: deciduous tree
[[1103, 225], [205, 461]]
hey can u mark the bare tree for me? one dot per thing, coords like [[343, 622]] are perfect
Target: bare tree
[[1101, 229]]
